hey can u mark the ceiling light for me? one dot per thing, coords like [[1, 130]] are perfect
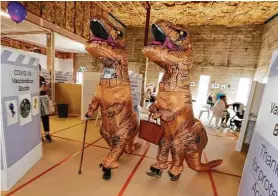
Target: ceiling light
[[3, 13]]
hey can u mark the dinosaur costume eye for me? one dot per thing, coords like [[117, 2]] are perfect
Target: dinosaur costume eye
[[183, 34], [120, 34]]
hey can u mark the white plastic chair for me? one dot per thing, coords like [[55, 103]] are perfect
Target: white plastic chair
[[204, 108]]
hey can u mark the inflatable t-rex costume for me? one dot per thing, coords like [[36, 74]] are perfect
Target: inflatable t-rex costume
[[183, 135], [113, 96]]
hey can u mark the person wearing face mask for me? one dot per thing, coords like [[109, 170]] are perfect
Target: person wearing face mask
[[220, 110], [44, 117]]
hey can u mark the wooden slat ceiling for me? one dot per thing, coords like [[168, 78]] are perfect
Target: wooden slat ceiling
[[132, 13]]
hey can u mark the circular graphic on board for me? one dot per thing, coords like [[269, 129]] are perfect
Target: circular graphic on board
[[25, 107]]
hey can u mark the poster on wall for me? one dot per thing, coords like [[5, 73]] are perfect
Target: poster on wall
[[63, 77], [25, 109], [11, 112], [260, 174], [215, 85], [60, 76]]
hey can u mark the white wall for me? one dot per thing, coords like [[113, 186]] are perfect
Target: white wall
[[65, 65]]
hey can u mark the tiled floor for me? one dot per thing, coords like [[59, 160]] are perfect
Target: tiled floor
[[56, 173]]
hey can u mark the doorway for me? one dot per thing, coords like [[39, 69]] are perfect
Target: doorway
[[243, 90], [203, 89], [202, 93]]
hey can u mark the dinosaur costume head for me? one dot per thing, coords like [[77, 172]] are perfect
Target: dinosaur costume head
[[171, 44], [107, 44], [106, 36]]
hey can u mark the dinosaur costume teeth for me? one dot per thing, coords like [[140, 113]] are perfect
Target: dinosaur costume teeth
[[119, 121], [183, 135]]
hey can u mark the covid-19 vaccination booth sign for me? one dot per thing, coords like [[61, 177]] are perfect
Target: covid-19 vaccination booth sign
[[260, 174], [20, 117]]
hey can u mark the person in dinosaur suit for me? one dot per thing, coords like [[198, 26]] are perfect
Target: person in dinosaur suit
[[119, 121], [183, 135]]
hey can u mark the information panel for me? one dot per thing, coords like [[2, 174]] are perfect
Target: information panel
[[20, 118], [260, 174], [136, 87]]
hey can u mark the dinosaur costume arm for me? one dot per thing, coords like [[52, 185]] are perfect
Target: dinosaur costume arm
[[166, 115], [115, 109]]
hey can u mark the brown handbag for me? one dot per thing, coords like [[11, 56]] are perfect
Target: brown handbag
[[149, 131]]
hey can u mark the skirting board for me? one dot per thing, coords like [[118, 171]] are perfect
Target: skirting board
[[20, 168]]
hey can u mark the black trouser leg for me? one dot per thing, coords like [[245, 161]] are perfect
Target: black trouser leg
[[45, 123], [227, 117]]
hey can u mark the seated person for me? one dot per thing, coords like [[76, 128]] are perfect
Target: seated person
[[210, 100], [220, 110]]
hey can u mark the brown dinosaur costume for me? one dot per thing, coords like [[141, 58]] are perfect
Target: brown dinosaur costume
[[113, 96], [183, 135]]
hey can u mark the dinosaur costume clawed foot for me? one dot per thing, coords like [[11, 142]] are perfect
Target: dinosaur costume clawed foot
[[183, 135], [119, 121], [106, 172]]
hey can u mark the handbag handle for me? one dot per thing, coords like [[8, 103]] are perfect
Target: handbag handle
[[150, 115]]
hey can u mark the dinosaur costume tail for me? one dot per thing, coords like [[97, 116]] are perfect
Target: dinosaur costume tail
[[193, 160]]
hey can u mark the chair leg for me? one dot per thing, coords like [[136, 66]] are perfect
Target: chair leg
[[211, 120]]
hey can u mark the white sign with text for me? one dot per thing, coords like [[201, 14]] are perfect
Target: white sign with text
[[260, 174], [18, 80]]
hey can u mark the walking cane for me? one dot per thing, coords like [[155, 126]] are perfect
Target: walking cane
[[83, 146]]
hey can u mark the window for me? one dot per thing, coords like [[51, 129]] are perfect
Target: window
[[160, 76], [79, 76], [243, 90], [203, 90]]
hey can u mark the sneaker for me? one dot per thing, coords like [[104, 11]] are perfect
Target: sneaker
[[154, 172], [106, 173], [174, 178], [48, 138]]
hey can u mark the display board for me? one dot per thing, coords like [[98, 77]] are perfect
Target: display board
[[260, 174], [90, 80], [20, 119], [136, 87]]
